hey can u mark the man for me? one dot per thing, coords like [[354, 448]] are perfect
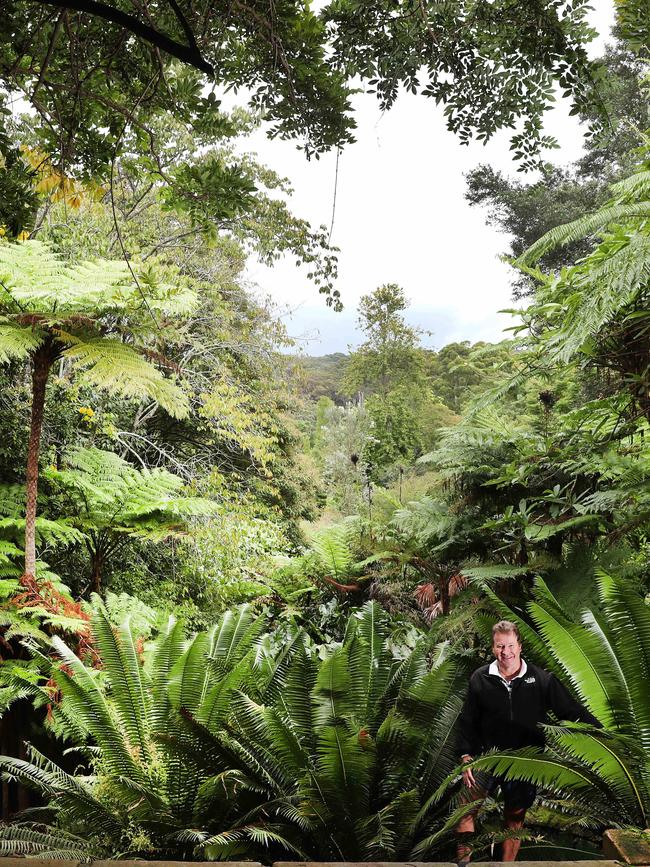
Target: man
[[506, 702]]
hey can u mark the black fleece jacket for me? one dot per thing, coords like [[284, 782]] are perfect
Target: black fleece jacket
[[495, 716]]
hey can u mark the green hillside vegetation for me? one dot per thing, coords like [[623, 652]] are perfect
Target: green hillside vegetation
[[241, 590]]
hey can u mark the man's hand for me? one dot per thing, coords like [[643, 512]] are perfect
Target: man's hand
[[468, 776]]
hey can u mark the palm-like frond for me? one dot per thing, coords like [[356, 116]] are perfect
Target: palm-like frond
[[119, 368], [48, 531], [30, 839], [582, 228], [581, 656], [130, 687], [216, 744], [614, 760], [234, 637], [369, 664], [628, 620], [332, 547], [86, 702], [343, 771], [188, 676], [332, 691], [17, 342], [166, 651], [635, 187]]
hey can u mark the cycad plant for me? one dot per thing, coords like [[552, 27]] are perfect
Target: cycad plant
[[602, 777], [228, 745], [346, 752], [137, 794], [96, 318]]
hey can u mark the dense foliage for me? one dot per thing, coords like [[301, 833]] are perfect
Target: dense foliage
[[232, 743], [240, 592]]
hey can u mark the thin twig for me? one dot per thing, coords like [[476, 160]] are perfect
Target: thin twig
[[336, 184]]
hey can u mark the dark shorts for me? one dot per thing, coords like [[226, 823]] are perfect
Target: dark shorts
[[517, 795]]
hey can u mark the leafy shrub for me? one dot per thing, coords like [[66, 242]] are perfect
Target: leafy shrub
[[225, 744]]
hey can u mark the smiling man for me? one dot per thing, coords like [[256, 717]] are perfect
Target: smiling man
[[506, 702]]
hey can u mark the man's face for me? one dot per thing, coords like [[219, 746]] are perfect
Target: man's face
[[507, 650]]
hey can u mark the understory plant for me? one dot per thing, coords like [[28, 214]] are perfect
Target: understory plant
[[226, 744]]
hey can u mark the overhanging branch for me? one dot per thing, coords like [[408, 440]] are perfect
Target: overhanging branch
[[186, 53]]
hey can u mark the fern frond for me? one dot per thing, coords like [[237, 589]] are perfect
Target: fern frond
[[581, 228], [130, 689], [583, 660], [234, 636], [117, 367], [369, 663], [636, 186], [17, 342], [27, 838], [332, 547], [36, 276]]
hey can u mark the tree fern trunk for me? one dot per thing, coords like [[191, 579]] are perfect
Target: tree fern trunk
[[444, 596], [41, 363], [97, 569]]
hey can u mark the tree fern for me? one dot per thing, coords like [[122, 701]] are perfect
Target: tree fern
[[50, 310], [596, 311], [585, 226], [113, 502]]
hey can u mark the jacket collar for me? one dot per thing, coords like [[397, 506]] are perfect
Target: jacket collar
[[494, 669]]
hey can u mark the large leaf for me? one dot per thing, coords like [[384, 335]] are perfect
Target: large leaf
[[17, 342], [582, 228], [115, 366], [85, 701], [130, 688], [628, 620], [583, 659], [369, 663]]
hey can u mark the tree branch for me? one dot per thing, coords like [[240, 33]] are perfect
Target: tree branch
[[189, 33], [50, 49], [186, 53]]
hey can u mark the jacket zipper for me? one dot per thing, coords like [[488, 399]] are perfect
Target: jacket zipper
[[509, 689]]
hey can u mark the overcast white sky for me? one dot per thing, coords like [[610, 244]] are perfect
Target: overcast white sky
[[401, 217]]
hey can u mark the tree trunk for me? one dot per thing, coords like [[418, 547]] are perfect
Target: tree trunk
[[445, 599], [96, 576], [41, 363]]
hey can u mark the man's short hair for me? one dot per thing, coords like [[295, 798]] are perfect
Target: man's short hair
[[506, 626]]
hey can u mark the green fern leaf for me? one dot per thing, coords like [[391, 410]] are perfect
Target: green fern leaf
[[117, 367]]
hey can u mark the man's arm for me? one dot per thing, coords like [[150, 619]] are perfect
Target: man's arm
[[468, 723], [564, 706], [468, 732]]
